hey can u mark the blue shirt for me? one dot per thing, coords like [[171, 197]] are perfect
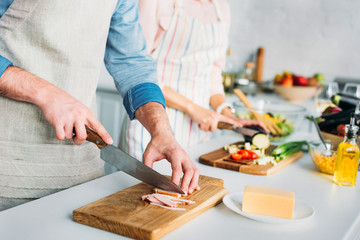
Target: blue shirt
[[126, 59]]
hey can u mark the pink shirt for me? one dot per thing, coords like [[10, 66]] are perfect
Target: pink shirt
[[155, 18]]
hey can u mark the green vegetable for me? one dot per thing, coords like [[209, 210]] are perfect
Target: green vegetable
[[286, 125], [284, 150]]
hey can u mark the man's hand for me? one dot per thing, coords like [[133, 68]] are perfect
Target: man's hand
[[63, 111], [66, 113], [166, 147], [163, 145]]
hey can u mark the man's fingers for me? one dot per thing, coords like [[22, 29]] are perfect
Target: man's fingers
[[188, 175], [194, 184], [99, 128], [81, 135], [60, 132], [68, 130], [176, 173], [149, 158]]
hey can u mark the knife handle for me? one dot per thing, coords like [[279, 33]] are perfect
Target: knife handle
[[93, 137], [224, 125]]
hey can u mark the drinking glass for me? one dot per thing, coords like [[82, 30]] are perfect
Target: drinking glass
[[352, 89]]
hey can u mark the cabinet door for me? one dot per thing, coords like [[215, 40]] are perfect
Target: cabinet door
[[110, 112]]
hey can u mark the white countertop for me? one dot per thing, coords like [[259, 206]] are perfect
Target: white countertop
[[337, 209]]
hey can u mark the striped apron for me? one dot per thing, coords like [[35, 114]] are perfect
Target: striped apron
[[185, 61]]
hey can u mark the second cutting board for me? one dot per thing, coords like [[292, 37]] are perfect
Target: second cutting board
[[218, 158]]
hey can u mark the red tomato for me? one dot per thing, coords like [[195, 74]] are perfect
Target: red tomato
[[244, 154], [254, 155], [236, 156]]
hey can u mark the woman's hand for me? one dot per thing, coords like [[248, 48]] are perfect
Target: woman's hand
[[207, 119], [244, 122]]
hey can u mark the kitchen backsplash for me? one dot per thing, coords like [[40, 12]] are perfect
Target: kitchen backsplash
[[304, 37]]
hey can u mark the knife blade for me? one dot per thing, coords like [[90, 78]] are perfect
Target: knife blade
[[130, 165]]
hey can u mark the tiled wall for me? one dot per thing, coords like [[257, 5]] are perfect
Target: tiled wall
[[302, 36]]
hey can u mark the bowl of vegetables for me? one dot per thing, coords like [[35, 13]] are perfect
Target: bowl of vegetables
[[287, 116], [324, 159]]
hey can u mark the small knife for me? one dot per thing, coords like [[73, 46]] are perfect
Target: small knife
[[244, 131], [130, 165]]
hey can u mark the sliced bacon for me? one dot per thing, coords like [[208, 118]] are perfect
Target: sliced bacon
[[160, 191], [163, 206], [166, 201]]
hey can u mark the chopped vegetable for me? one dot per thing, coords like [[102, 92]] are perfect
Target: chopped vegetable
[[236, 156], [265, 160], [232, 148], [244, 154], [261, 141], [284, 150], [286, 125]]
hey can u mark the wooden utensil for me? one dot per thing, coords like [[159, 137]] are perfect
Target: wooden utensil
[[259, 64], [271, 125], [127, 214], [220, 159]]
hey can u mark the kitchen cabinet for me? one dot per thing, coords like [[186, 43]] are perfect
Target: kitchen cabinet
[[110, 112]]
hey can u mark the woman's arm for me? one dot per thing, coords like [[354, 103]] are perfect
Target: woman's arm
[[206, 119]]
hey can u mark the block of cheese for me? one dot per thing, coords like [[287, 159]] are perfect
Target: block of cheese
[[268, 201]]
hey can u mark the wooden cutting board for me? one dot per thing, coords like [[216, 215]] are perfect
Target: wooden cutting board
[[218, 158], [125, 213]]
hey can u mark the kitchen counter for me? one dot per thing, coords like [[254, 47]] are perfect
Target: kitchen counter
[[337, 209]]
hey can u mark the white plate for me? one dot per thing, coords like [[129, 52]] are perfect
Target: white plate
[[302, 210]]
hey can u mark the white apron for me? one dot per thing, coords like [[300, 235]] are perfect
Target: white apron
[[63, 42], [185, 61]]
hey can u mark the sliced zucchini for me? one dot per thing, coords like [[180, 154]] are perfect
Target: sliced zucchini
[[261, 141]]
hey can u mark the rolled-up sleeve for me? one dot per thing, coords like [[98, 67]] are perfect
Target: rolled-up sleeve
[[126, 59], [4, 64]]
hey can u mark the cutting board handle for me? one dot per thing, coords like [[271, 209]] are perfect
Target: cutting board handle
[[93, 137]]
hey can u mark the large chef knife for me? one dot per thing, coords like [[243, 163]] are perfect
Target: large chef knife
[[130, 165]]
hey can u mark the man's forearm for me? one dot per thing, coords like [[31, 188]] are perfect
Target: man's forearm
[[153, 117], [61, 110], [20, 85]]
